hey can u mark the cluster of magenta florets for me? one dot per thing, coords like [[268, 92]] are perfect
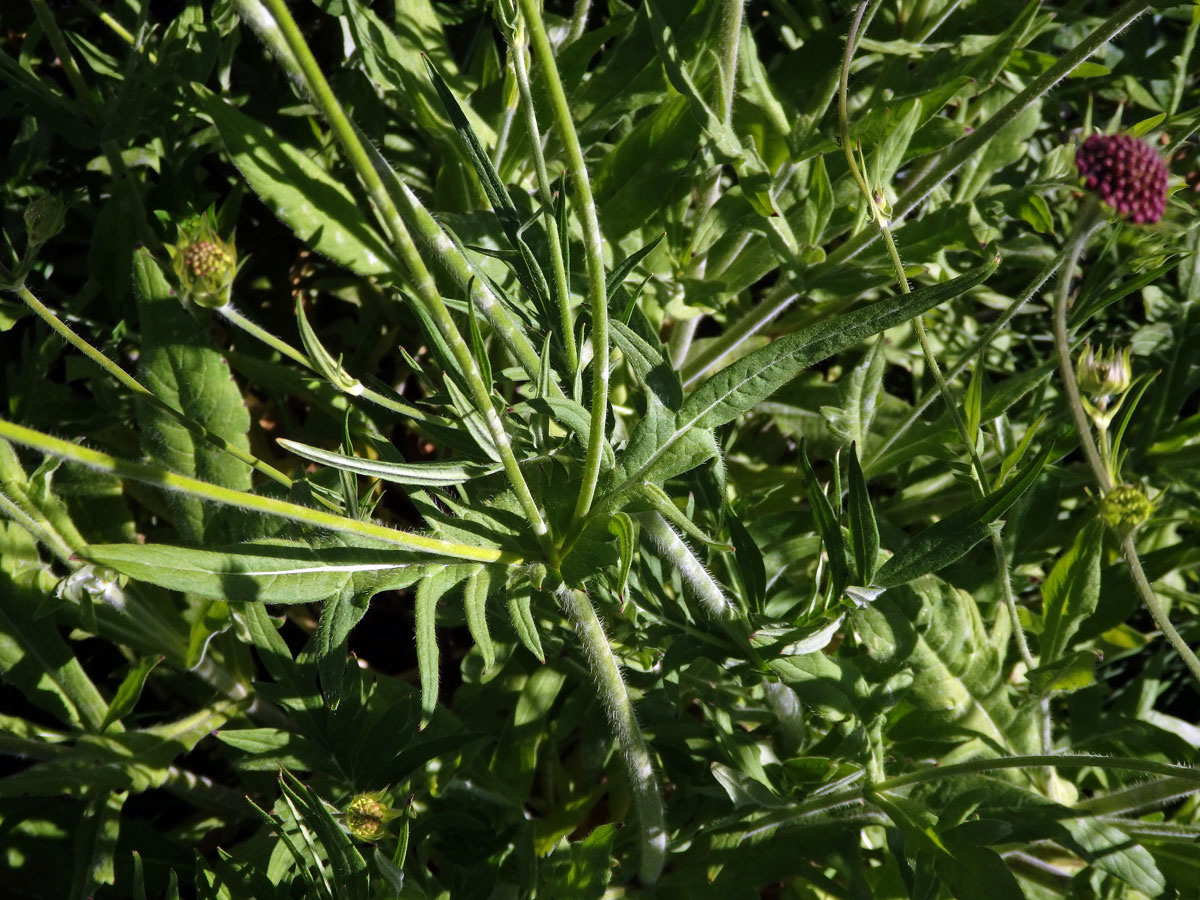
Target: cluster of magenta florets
[[1127, 174]]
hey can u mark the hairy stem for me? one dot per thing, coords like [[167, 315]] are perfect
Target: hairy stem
[[642, 781]]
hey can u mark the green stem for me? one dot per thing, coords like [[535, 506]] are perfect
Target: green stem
[[562, 293], [422, 280], [28, 437], [642, 781], [966, 147], [1089, 220], [579, 17], [145, 393], [593, 251]]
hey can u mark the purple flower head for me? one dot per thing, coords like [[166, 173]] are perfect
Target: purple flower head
[[1127, 174]]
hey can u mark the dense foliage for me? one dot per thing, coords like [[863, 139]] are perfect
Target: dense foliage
[[681, 449]]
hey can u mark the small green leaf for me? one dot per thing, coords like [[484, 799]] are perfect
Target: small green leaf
[[130, 690], [475, 594], [864, 531], [1070, 673], [622, 528], [1071, 591], [974, 403], [520, 590], [827, 524]]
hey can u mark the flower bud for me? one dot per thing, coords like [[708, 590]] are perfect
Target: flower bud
[[1103, 374], [366, 816], [1125, 508], [204, 263], [44, 218], [1127, 174]]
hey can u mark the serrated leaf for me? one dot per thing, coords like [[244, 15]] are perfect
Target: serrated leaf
[[315, 206]]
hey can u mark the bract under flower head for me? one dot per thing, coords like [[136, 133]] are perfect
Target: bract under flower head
[[1127, 174]]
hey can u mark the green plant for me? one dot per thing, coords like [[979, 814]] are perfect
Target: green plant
[[616, 355]]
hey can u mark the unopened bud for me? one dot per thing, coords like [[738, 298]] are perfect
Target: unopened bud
[[1103, 374], [44, 218], [366, 816], [204, 263], [1125, 508]]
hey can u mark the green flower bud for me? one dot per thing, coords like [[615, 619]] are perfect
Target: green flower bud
[[366, 816], [1125, 508], [204, 263], [1103, 374], [44, 218]]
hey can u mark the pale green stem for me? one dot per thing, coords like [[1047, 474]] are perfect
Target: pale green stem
[[426, 289], [969, 145], [1089, 219], [145, 393], [161, 478], [562, 292], [585, 208], [579, 18], [642, 781]]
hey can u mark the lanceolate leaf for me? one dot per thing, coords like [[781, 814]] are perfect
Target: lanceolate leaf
[[314, 205], [264, 572], [424, 474], [1071, 591], [827, 524], [864, 531], [429, 592], [943, 542], [737, 388]]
